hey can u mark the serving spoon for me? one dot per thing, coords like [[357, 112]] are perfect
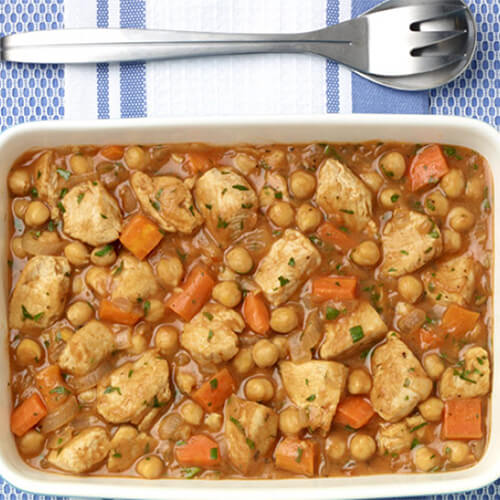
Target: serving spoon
[[405, 44]]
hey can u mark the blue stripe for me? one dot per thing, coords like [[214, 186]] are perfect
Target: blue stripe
[[102, 69], [133, 100], [332, 69]]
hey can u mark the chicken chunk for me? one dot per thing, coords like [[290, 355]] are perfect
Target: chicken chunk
[[91, 214], [469, 379], [279, 280], [352, 332], [127, 446], [250, 430], [168, 201], [136, 279], [227, 202], [399, 381], [86, 349], [48, 182], [398, 438], [210, 336], [84, 452], [40, 293], [342, 193], [315, 386], [409, 241], [130, 391], [452, 281]]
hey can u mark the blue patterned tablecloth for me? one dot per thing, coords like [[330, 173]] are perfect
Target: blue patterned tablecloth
[[41, 92]]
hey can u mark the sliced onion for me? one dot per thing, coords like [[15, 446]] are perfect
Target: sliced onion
[[302, 343], [85, 421], [90, 380], [412, 321], [123, 337], [46, 243], [61, 416]]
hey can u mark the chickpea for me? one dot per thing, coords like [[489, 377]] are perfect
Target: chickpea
[[389, 197], [474, 188], [431, 409], [275, 158], [436, 204], [372, 180], [170, 271], [284, 319], [167, 340], [259, 389], [135, 158], [150, 467], [174, 427], [426, 458], [213, 421], [452, 241], [103, 256], [282, 344], [457, 452], [267, 196], [433, 365], [36, 214], [308, 218], [77, 254], [227, 293], [80, 164], [17, 248], [410, 288], [245, 163], [77, 285], [28, 352], [88, 396], [192, 413], [243, 361], [281, 213], [366, 253], [185, 382], [65, 333], [292, 420], [19, 182], [336, 447], [239, 260], [97, 279], [359, 382], [362, 447], [461, 219], [453, 183], [31, 444], [155, 312], [393, 165], [138, 344], [265, 353], [79, 313], [20, 207], [302, 184]]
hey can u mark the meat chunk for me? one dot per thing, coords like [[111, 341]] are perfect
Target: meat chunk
[[127, 446], [210, 336], [86, 349], [250, 430], [352, 332], [469, 379], [40, 293], [136, 279], [227, 202], [129, 392], [168, 201], [279, 280], [84, 452], [342, 193], [409, 241], [399, 381], [452, 281], [398, 438], [91, 214], [315, 386], [48, 182]]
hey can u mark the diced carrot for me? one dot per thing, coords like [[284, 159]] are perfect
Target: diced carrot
[[27, 415], [212, 395], [52, 386], [113, 153], [335, 287], [329, 233], [462, 419], [297, 455], [198, 162], [140, 236], [458, 321], [429, 339], [354, 411], [196, 291], [199, 451], [428, 166], [256, 313], [109, 311]]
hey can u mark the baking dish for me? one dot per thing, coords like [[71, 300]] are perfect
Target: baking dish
[[334, 128]]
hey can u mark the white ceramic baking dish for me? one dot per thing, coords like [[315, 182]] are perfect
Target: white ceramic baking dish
[[230, 130]]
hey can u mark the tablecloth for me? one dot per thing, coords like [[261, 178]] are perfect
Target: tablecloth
[[264, 84]]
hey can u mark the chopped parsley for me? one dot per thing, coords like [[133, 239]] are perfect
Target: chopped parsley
[[130, 372], [214, 383], [278, 195], [246, 205], [236, 422], [351, 212], [80, 198], [111, 389], [155, 205], [119, 269], [291, 262], [210, 334], [60, 206], [331, 313], [250, 443], [27, 315], [208, 315], [240, 187], [394, 198], [451, 152], [65, 174], [404, 252], [356, 333], [34, 192], [104, 251], [464, 375], [312, 397], [419, 426], [190, 472], [117, 455], [331, 151], [59, 390], [434, 234], [283, 281], [221, 223], [298, 458], [104, 216], [214, 453], [146, 307], [208, 206]]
